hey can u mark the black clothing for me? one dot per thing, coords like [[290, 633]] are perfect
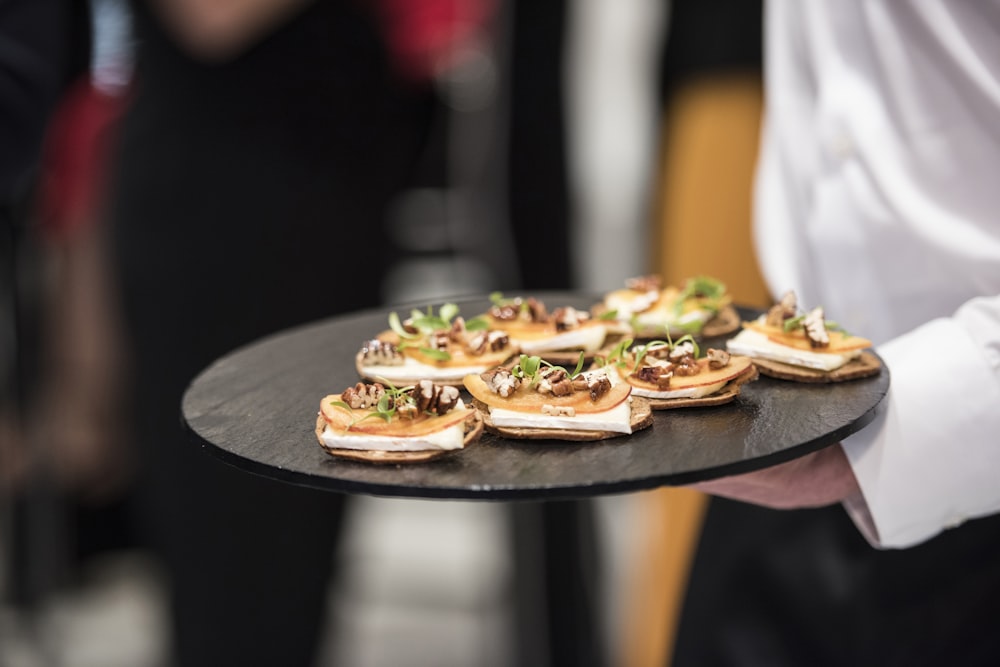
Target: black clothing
[[248, 197]]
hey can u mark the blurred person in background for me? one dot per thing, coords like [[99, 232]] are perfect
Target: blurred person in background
[[42, 49], [260, 147]]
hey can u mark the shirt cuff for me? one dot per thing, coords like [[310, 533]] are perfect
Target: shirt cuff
[[929, 459]]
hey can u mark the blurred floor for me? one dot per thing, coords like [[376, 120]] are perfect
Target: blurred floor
[[419, 583]]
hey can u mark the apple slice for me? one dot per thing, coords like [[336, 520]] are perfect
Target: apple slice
[[343, 419], [736, 367], [840, 342], [528, 400]]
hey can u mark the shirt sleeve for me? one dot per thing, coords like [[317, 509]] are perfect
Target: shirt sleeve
[[931, 458]]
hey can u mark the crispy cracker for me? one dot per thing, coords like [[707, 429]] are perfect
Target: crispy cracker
[[864, 366], [380, 456], [642, 417], [721, 397], [726, 321]]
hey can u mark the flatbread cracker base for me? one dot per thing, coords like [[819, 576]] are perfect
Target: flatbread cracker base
[[725, 322], [642, 417], [726, 395], [865, 365], [379, 456]]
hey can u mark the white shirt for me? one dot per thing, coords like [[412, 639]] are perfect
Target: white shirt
[[878, 197]]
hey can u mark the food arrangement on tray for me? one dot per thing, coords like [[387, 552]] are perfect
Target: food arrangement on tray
[[432, 383]]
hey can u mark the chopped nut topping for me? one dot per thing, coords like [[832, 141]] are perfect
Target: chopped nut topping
[[567, 318], [363, 395], [488, 341], [783, 310], [378, 353], [687, 367], [647, 283], [439, 340], [433, 398], [659, 374], [815, 327], [717, 358], [536, 311], [595, 382], [554, 380], [506, 312], [406, 408], [458, 331], [501, 381], [654, 351], [558, 410], [681, 351]]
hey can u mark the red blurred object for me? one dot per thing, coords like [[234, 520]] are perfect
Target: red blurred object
[[426, 36], [77, 146]]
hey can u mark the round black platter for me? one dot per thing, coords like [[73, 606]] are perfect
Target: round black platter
[[256, 407]]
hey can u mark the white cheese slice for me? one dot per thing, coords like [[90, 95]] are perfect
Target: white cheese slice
[[659, 318], [755, 344], [617, 420], [685, 392], [411, 368], [626, 307], [452, 437], [587, 338]]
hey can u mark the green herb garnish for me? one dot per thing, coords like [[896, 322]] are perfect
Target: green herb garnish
[[708, 290]]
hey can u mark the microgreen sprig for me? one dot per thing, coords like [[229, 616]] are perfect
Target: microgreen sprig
[[529, 368], [795, 323], [710, 290], [426, 323], [385, 408]]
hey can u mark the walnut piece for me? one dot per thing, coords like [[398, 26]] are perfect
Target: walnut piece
[[379, 353], [363, 395], [434, 398], [558, 410], [656, 374], [717, 358], [567, 318], [501, 381], [487, 341], [596, 383], [783, 310], [681, 351], [554, 380], [815, 327], [687, 367]]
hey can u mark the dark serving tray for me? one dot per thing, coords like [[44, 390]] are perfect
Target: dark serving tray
[[256, 407]]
